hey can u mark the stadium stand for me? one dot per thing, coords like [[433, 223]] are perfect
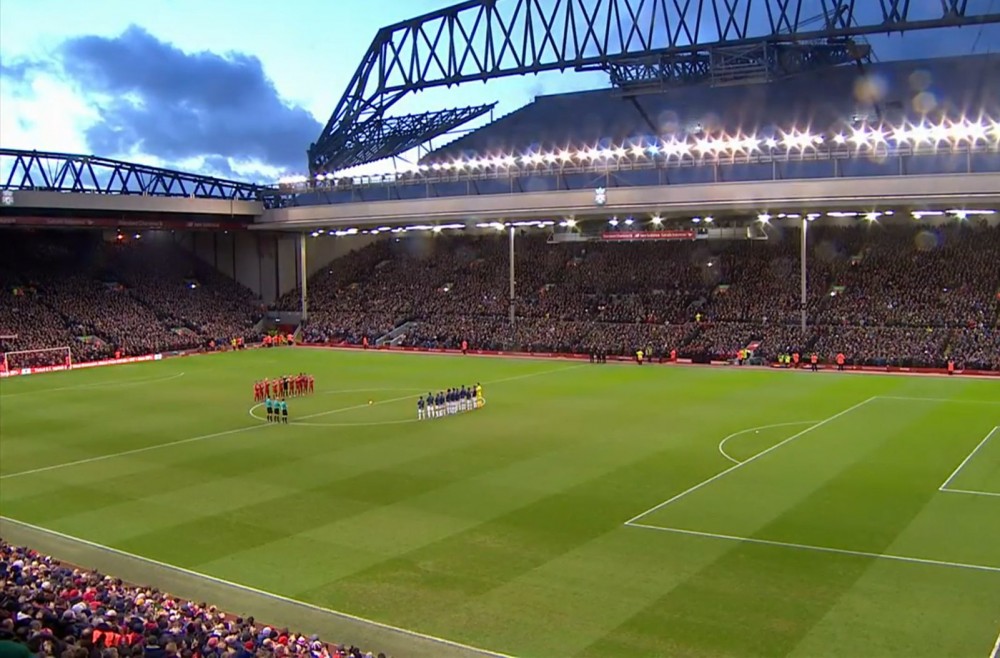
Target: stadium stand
[[57, 611], [100, 299], [893, 294]]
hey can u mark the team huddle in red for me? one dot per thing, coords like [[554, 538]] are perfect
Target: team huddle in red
[[288, 386]]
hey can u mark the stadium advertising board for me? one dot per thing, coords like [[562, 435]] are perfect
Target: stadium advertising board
[[21, 372], [675, 234]]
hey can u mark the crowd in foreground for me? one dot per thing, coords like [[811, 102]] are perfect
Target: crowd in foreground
[[900, 295], [51, 610]]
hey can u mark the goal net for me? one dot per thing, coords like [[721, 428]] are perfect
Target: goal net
[[44, 358]]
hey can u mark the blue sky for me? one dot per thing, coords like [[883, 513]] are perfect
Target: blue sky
[[233, 87]]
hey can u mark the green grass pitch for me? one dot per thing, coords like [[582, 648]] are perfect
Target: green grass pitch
[[588, 511]]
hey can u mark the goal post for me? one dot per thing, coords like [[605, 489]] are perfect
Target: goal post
[[42, 358]]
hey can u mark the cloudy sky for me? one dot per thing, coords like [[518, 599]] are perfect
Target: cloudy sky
[[237, 88]]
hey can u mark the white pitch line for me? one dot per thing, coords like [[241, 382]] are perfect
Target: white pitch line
[[239, 430], [822, 549], [260, 592], [752, 459], [996, 648], [134, 451], [944, 487], [722, 443], [971, 493], [109, 384]]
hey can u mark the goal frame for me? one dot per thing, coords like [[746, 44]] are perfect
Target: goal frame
[[5, 357]]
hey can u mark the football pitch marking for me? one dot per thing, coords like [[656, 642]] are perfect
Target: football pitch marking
[[248, 428], [722, 443], [822, 549], [261, 592], [350, 408], [633, 522], [996, 648], [108, 384], [945, 488], [750, 460]]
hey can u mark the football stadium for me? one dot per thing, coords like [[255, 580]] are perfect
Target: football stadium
[[704, 361]]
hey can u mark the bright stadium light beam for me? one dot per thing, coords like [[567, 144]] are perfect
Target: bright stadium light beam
[[637, 151], [859, 137]]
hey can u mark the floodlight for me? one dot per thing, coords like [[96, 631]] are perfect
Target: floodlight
[[629, 221], [657, 220], [703, 145], [637, 151], [763, 218], [709, 219], [859, 137], [940, 133], [613, 221]]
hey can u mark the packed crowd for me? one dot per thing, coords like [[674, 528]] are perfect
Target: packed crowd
[[105, 299], [880, 294], [57, 611]]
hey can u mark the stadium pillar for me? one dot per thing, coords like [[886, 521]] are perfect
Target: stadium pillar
[[803, 300], [303, 271], [512, 276]]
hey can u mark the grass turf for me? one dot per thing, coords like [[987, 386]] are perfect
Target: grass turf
[[504, 528]]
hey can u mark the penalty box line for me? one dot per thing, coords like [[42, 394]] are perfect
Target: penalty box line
[[732, 468], [945, 488], [822, 549]]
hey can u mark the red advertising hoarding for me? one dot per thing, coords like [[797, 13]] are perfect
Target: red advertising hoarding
[[673, 234]]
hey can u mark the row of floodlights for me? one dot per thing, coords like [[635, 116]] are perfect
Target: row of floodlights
[[874, 215], [655, 220], [862, 138], [438, 228]]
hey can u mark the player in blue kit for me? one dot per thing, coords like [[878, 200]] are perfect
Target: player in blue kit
[[269, 405], [439, 403], [284, 412], [420, 408]]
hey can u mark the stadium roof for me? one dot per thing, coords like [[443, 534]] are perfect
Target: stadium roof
[[895, 92], [640, 44]]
